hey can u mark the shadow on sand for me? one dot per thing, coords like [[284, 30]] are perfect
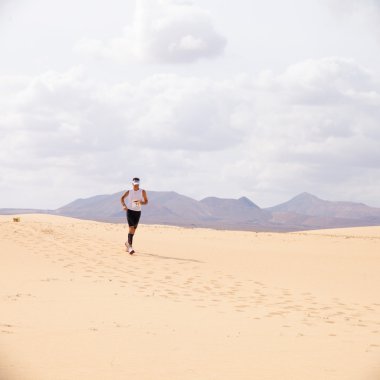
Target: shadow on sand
[[170, 258]]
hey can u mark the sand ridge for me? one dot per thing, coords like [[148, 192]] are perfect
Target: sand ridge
[[195, 303]]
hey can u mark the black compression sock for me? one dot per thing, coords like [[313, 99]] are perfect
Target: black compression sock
[[130, 239]]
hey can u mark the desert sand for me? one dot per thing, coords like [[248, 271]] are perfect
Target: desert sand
[[190, 304]]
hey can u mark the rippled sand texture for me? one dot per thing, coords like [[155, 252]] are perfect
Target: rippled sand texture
[[190, 304]]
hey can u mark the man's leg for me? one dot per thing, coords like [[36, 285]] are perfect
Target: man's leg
[[133, 220], [132, 230]]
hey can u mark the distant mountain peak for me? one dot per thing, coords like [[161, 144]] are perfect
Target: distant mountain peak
[[246, 201], [306, 196], [243, 201]]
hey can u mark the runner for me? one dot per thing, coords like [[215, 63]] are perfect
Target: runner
[[134, 199]]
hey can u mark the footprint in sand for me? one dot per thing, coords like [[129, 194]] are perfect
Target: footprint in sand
[[6, 328]]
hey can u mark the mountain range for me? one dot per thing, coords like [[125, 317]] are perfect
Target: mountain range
[[303, 212]]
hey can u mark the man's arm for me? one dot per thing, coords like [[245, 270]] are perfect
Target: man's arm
[[145, 198], [122, 200]]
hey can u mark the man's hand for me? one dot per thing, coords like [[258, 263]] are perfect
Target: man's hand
[[125, 208]]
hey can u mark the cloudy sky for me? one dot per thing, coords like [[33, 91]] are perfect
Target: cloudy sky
[[261, 99]]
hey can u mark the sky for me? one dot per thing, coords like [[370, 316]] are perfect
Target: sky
[[244, 98]]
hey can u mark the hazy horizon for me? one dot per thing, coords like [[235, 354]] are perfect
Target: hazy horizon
[[197, 199]]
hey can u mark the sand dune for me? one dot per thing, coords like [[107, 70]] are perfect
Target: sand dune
[[191, 304]]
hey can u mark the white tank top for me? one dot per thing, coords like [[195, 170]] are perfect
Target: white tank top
[[133, 200]]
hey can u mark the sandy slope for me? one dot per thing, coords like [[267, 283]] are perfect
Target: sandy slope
[[191, 304]]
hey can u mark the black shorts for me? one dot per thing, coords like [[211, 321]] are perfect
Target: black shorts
[[133, 218]]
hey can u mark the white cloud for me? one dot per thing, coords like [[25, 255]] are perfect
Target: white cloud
[[322, 118], [186, 113], [275, 134], [323, 113], [57, 113], [326, 81], [162, 32]]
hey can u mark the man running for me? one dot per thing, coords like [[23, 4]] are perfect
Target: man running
[[135, 198]]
